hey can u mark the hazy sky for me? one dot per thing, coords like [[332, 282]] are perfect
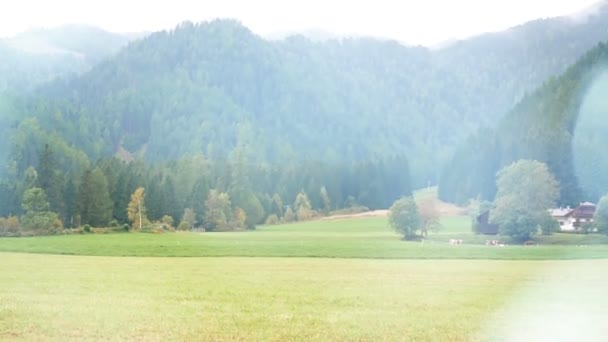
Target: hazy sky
[[424, 22]]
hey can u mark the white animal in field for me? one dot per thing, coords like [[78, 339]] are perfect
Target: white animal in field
[[455, 242]]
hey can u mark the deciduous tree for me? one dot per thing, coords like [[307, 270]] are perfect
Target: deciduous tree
[[37, 216], [325, 199], [429, 216], [188, 219], [404, 218], [526, 189], [218, 210], [136, 211], [601, 215], [303, 207]]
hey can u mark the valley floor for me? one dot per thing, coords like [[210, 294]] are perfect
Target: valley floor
[[369, 238], [46, 297], [339, 280]]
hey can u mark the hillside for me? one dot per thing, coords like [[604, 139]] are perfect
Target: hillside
[[562, 124], [39, 56], [205, 87]]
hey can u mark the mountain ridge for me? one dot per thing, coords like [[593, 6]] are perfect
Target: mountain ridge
[[217, 83]]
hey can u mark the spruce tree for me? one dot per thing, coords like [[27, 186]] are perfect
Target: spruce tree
[[95, 204]]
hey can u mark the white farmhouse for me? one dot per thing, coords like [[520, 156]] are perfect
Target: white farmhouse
[[572, 219]]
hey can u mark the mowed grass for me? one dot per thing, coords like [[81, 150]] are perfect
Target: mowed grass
[[61, 298], [345, 238]]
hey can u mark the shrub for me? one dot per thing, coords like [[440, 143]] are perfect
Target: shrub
[[42, 222], [125, 227], [184, 226], [305, 214], [272, 220], [9, 226], [114, 223], [86, 228], [167, 220], [289, 215], [548, 225], [587, 227]]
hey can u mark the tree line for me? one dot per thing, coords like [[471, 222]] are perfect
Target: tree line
[[215, 195], [542, 127], [200, 87]]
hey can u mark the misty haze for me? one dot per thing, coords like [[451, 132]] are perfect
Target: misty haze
[[288, 171]]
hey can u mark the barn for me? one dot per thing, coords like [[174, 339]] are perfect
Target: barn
[[484, 226]]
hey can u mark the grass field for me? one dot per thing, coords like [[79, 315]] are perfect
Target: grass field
[[349, 238], [67, 297], [339, 280]]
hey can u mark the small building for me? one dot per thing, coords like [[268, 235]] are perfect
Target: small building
[[562, 216], [484, 226], [573, 219]]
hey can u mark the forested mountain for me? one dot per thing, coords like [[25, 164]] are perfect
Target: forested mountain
[[201, 88], [561, 124], [41, 55], [352, 116], [495, 70]]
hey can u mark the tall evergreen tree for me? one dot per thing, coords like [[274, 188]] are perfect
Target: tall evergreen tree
[[95, 204], [50, 179]]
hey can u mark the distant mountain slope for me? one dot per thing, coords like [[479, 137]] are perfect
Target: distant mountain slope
[[88, 42], [210, 86], [496, 70], [41, 55], [562, 124]]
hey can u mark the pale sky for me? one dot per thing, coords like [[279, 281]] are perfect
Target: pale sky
[[425, 22]]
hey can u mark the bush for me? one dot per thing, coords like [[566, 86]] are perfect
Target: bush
[[114, 223], [289, 215], [86, 228], [587, 227], [41, 222], [184, 226], [9, 226], [305, 214], [153, 228], [272, 220], [167, 220], [125, 227], [548, 225]]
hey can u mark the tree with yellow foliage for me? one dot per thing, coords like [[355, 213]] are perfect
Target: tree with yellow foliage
[[136, 211]]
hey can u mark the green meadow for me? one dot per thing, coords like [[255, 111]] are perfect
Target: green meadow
[[346, 238], [338, 280], [57, 298]]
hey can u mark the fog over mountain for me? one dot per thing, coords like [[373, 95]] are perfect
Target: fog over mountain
[[214, 86]]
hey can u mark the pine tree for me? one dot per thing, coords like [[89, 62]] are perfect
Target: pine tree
[[154, 199], [170, 202], [70, 196], [94, 199], [50, 180]]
